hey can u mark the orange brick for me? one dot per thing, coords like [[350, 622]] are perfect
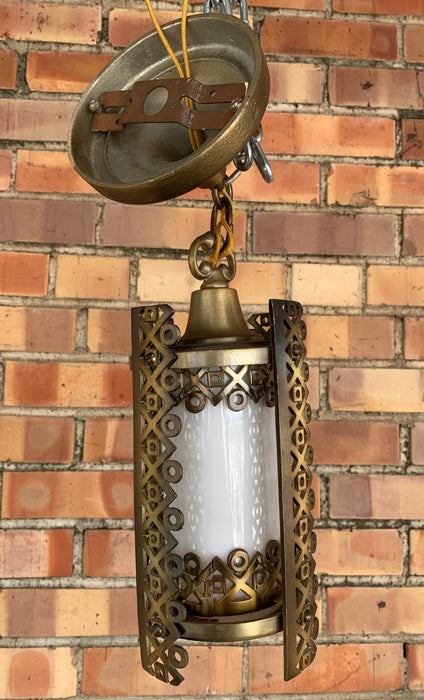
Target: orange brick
[[109, 553], [92, 277], [126, 26], [47, 221], [355, 442], [359, 553], [313, 387], [349, 337], [413, 239], [41, 673], [35, 553], [216, 670], [327, 285], [161, 227], [385, 7], [324, 134], [48, 171], [415, 656], [370, 185], [23, 274], [293, 182], [162, 280], [376, 389], [32, 612], [36, 439], [323, 233], [295, 82], [5, 169], [108, 440], [8, 68], [375, 87], [64, 71], [109, 330], [412, 135], [416, 539], [413, 35], [321, 37], [417, 443], [50, 494], [367, 667], [41, 21], [375, 610], [37, 329], [291, 4], [70, 384], [32, 120], [400, 286], [378, 496]]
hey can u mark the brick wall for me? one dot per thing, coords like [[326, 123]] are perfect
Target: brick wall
[[341, 230]]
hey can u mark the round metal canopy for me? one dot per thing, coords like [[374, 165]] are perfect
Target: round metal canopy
[[152, 162]]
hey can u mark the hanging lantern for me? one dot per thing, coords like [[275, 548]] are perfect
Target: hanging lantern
[[221, 413]]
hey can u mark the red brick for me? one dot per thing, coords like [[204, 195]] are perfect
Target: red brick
[[355, 442], [397, 285], [48, 171], [412, 139], [375, 87], [216, 670], [23, 274], [108, 440], [370, 185], [415, 656], [32, 120], [359, 553], [161, 227], [126, 26], [291, 4], [321, 37], [376, 389], [8, 68], [384, 7], [52, 494], [375, 610], [32, 612], [414, 338], [109, 553], [379, 496], [366, 667], [5, 169], [109, 330], [351, 337], [64, 71], [42, 21], [47, 221], [327, 285], [322, 233], [413, 35], [295, 82], [324, 134], [68, 384], [417, 443], [92, 277], [413, 238], [37, 329], [35, 553], [416, 539], [41, 673], [36, 439]]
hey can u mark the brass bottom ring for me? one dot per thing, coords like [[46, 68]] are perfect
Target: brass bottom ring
[[233, 628]]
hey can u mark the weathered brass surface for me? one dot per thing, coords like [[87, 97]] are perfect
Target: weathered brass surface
[[298, 541], [215, 316], [152, 162], [234, 628], [255, 354], [140, 106]]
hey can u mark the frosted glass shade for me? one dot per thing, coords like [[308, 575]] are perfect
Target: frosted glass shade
[[229, 490]]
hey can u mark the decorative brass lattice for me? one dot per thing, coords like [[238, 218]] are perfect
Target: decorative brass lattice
[[154, 334], [238, 586]]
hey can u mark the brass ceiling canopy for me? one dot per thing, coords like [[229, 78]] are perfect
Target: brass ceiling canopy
[[151, 161]]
